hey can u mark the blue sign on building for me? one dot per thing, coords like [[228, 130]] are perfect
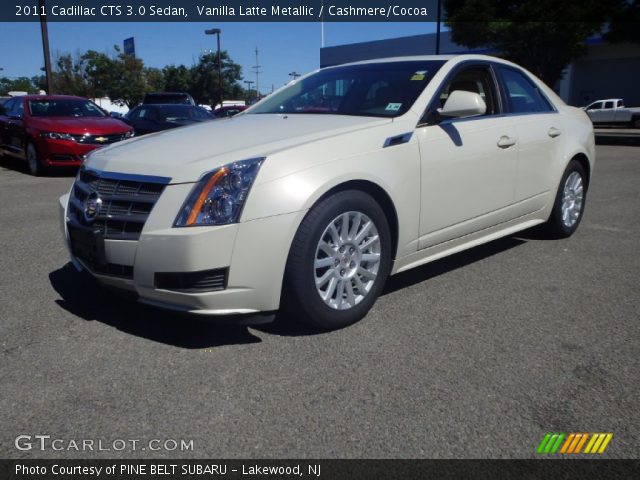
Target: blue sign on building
[[129, 47]]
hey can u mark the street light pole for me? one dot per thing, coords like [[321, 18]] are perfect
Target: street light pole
[[45, 47], [249, 83], [294, 74], [439, 21], [217, 31]]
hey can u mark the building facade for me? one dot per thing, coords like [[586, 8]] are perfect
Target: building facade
[[606, 71]]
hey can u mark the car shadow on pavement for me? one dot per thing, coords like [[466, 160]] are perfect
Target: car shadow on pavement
[[450, 263], [83, 297]]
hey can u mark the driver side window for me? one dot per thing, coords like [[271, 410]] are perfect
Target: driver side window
[[473, 79]]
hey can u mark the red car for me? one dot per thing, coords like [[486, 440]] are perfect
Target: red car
[[55, 130]]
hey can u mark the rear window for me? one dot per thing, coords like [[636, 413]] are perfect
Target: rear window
[[524, 95], [66, 107], [158, 98]]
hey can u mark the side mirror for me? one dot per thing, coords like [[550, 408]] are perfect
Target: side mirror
[[115, 115], [463, 104]]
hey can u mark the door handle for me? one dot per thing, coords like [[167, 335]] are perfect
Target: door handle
[[554, 132], [506, 142]]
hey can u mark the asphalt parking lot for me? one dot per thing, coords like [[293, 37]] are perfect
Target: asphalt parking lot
[[478, 355]]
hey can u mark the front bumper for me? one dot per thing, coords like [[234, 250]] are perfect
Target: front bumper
[[254, 253], [63, 153]]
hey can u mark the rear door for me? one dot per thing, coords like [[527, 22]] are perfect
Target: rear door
[[608, 113], [539, 129]]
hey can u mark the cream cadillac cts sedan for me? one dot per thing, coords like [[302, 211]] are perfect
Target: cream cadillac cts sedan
[[310, 199]]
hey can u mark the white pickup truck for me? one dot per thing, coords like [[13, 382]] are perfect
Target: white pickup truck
[[613, 112]]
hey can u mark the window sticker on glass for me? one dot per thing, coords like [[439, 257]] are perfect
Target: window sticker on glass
[[419, 75], [393, 107]]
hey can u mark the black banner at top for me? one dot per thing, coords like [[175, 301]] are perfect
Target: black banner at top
[[219, 10]]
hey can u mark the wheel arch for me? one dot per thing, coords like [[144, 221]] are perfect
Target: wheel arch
[[583, 160], [380, 195]]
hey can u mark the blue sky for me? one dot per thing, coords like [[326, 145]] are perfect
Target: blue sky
[[283, 47]]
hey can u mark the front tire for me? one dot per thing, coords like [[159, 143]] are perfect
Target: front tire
[[568, 207], [338, 262], [35, 165]]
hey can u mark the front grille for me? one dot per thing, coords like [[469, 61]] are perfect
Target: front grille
[[203, 281], [99, 139], [127, 201]]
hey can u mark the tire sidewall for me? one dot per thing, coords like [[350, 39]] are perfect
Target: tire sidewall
[[33, 169], [300, 276]]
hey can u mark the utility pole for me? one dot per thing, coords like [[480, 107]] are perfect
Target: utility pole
[[439, 20], [45, 47], [294, 74], [217, 31], [258, 72]]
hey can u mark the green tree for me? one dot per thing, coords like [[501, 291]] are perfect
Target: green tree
[[129, 85], [39, 82], [68, 76], [154, 79], [625, 23], [99, 73], [20, 84], [176, 78], [205, 85], [543, 36]]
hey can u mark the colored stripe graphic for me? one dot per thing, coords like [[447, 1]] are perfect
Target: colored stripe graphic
[[573, 442], [550, 443], [598, 442]]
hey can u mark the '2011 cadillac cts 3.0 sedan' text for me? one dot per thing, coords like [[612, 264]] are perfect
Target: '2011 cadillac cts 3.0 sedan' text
[[312, 197]]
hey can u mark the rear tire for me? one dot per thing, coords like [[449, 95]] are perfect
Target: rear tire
[[569, 204], [338, 262], [33, 161]]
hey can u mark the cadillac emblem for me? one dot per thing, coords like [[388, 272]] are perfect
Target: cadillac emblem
[[92, 206]]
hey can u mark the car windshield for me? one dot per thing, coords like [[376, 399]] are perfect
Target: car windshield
[[172, 113], [64, 108], [373, 89]]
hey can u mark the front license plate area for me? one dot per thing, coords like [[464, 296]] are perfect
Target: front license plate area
[[88, 246]]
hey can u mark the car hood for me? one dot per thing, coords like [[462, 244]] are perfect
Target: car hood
[[80, 126], [184, 154]]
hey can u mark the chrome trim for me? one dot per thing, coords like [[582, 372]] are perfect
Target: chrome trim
[[132, 177], [397, 140]]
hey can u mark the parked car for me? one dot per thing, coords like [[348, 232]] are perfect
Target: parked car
[[292, 206], [55, 130], [154, 118], [229, 111], [613, 112], [168, 97]]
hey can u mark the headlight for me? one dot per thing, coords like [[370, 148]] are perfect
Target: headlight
[[219, 196], [57, 136]]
